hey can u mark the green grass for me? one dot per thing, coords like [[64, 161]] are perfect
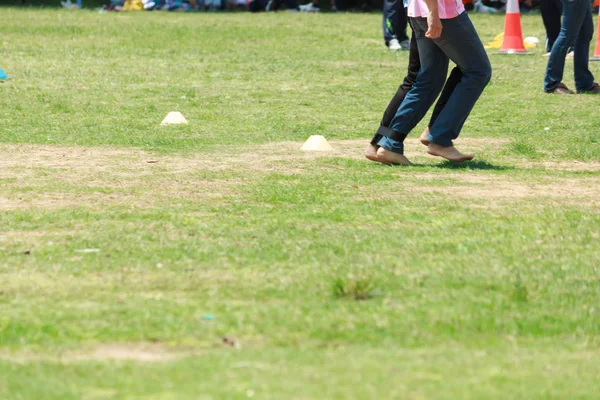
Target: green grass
[[334, 277]]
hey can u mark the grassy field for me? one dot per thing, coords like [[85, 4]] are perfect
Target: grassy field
[[217, 261]]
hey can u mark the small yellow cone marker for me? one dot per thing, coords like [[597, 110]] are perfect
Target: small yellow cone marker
[[174, 118], [316, 143]]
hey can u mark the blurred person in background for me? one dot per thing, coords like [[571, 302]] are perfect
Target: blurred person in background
[[576, 31], [551, 12], [313, 6], [394, 25]]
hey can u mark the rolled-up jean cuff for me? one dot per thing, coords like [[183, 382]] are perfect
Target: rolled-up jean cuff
[[376, 139], [442, 142], [392, 134]]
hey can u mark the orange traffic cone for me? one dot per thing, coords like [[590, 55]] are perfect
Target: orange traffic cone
[[596, 56], [513, 36]]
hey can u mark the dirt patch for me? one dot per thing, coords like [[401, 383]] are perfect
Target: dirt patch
[[143, 195], [26, 158], [355, 148], [576, 166], [477, 186], [483, 186], [45, 156], [51, 177], [128, 352], [360, 63], [91, 165], [140, 352], [22, 234]]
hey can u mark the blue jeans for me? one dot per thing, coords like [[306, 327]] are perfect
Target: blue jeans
[[391, 145], [394, 21], [460, 43], [576, 31]]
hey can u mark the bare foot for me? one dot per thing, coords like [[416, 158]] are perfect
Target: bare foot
[[391, 158], [424, 135], [371, 153], [449, 153]]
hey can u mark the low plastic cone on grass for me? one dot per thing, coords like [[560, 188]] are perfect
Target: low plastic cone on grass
[[316, 143], [174, 118]]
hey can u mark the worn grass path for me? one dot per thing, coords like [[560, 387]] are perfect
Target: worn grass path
[[216, 261]]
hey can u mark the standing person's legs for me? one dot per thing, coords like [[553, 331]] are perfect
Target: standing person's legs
[[291, 5], [313, 6], [394, 24], [401, 22], [389, 10], [551, 11], [573, 16], [584, 80], [274, 5]]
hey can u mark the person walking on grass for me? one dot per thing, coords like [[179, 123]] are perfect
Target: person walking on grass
[[414, 65], [443, 32], [576, 31]]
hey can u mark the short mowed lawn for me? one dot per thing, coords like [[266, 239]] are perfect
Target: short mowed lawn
[[215, 260]]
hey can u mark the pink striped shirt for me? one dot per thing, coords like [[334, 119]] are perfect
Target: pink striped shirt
[[447, 8]]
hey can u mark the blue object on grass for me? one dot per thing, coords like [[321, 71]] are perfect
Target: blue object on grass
[[2, 74], [208, 317]]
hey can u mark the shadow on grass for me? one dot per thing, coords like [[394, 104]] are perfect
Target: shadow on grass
[[478, 164], [467, 165]]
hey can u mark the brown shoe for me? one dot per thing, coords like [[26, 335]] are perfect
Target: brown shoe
[[561, 89], [595, 89]]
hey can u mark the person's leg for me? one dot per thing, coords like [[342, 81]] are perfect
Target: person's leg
[[291, 5], [313, 6], [460, 42], [454, 79], [481, 7], [584, 80], [273, 5], [551, 12], [414, 65], [573, 15], [391, 152], [400, 22], [389, 11], [430, 80]]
